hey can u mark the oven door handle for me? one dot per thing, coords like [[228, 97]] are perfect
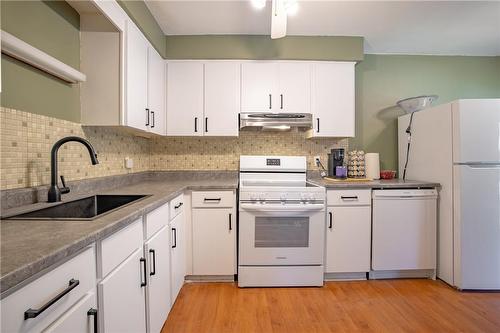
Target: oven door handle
[[281, 207]]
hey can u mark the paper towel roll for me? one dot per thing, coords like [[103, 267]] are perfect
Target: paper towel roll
[[372, 165]]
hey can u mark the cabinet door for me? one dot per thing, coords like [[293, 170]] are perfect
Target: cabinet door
[[82, 317], [136, 78], [348, 237], [177, 254], [184, 98], [222, 98], [158, 251], [214, 241], [294, 87], [123, 297], [258, 87], [333, 99], [156, 92]]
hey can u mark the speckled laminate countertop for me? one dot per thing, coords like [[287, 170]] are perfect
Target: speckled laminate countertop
[[29, 247], [374, 184]]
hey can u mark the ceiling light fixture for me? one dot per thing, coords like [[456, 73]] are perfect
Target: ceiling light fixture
[[258, 4]]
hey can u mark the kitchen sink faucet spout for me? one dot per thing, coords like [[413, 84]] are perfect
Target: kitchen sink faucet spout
[[54, 194]]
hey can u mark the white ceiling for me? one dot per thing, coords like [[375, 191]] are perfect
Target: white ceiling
[[396, 27]]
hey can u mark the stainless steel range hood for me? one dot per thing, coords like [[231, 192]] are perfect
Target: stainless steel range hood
[[275, 121]]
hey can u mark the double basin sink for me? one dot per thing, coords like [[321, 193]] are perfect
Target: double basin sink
[[87, 208]]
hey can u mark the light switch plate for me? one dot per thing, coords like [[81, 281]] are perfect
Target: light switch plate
[[129, 163]]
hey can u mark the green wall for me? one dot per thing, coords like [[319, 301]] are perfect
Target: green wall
[[53, 27], [381, 80], [140, 14], [263, 47]]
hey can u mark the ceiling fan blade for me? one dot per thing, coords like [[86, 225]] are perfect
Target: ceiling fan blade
[[278, 19]]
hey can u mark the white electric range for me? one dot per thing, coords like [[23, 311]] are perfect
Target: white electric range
[[281, 223]]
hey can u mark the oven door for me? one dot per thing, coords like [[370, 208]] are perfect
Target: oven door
[[281, 234]]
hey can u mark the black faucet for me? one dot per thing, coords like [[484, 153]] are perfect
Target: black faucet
[[54, 190]]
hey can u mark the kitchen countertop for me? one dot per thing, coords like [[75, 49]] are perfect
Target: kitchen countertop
[[373, 184], [30, 247]]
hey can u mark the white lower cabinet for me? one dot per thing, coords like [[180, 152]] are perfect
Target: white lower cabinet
[[81, 318], [214, 241], [177, 254], [123, 296], [348, 234], [157, 250], [51, 299]]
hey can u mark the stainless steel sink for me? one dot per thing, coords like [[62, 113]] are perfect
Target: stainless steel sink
[[87, 208]]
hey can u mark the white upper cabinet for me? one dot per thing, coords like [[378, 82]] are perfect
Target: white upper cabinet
[[156, 92], [258, 87], [276, 87], [185, 98], [333, 99], [136, 113], [222, 98], [294, 88]]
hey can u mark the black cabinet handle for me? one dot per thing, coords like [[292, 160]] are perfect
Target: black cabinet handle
[[206, 124], [212, 199], [147, 117], [196, 124], [143, 261], [330, 225], [270, 102], [153, 116], [33, 313], [317, 121], [153, 272], [93, 313], [281, 99], [230, 222], [354, 197], [175, 238], [179, 205]]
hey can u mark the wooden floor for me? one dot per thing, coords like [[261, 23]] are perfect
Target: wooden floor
[[367, 306]]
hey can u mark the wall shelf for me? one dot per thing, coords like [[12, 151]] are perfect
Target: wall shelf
[[30, 55]]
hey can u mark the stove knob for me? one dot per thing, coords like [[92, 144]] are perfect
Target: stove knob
[[253, 197], [262, 196], [283, 196], [311, 197]]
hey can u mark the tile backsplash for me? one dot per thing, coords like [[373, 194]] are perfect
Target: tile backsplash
[[26, 140]]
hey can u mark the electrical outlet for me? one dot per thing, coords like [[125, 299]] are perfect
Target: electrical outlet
[[129, 163], [317, 160]]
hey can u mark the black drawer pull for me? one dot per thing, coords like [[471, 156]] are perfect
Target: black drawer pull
[[212, 199], [355, 197], [33, 313], [317, 120], [175, 238], [147, 117], [143, 261], [330, 225], [230, 222], [206, 124], [93, 313], [179, 205], [153, 272], [153, 116], [196, 124]]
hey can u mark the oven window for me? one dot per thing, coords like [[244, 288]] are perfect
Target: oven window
[[281, 232]]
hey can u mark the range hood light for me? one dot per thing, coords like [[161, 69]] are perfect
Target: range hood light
[[276, 128]]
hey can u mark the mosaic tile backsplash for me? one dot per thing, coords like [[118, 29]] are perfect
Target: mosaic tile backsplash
[[26, 140]]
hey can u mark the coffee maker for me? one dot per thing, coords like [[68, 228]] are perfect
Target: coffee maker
[[335, 159]]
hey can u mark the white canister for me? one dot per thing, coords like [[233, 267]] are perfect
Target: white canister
[[372, 165]]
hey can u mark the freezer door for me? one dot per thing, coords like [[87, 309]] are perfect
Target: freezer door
[[476, 130], [477, 226]]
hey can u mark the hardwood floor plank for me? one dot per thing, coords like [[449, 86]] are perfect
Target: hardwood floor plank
[[407, 305]]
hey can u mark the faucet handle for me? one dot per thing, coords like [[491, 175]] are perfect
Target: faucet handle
[[64, 189]]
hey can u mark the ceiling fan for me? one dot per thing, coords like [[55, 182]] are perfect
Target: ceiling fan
[[280, 9]]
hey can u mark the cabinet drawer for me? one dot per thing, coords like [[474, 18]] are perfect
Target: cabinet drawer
[[176, 206], [156, 220], [207, 199], [117, 247], [79, 272], [348, 197]]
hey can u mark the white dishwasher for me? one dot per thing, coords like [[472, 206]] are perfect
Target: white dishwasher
[[404, 230]]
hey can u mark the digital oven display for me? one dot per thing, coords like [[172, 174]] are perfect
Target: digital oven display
[[272, 161]]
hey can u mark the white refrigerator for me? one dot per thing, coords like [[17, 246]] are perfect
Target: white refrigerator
[[458, 145]]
